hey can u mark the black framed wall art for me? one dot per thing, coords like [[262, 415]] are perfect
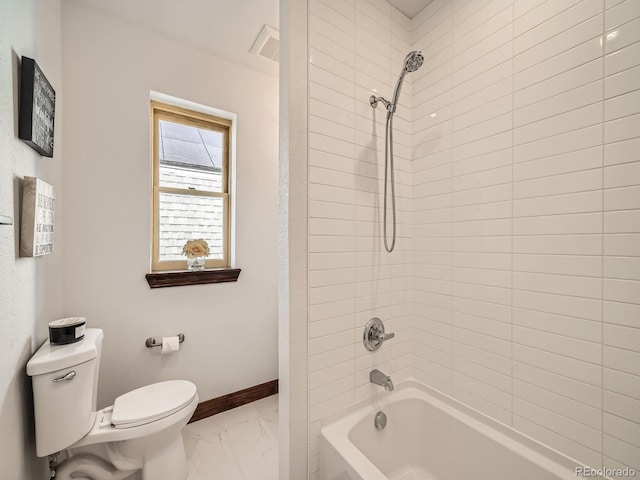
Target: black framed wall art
[[37, 108]]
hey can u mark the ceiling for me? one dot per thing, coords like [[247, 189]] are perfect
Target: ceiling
[[410, 7], [202, 23]]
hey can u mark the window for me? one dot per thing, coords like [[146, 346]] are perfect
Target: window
[[190, 185]]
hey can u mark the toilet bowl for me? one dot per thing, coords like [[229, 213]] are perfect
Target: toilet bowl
[[138, 437]]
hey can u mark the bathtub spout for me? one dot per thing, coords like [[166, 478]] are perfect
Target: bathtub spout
[[379, 378]]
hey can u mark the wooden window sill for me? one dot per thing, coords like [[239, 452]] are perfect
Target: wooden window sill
[[185, 277]]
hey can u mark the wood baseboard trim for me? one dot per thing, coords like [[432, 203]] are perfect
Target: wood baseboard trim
[[232, 400]]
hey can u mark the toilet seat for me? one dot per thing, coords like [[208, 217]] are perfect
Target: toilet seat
[[104, 431], [151, 403]]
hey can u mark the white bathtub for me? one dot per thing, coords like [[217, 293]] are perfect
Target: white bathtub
[[429, 436]]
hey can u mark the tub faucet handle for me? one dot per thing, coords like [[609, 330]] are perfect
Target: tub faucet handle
[[374, 334], [385, 336]]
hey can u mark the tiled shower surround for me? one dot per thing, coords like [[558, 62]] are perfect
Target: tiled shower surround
[[515, 283]]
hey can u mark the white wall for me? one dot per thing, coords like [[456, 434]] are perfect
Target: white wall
[[354, 49], [30, 290], [293, 243], [526, 293], [110, 67]]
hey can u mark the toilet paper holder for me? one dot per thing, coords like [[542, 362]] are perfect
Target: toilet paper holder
[[151, 342]]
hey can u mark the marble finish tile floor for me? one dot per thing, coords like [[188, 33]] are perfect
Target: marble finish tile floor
[[239, 444]]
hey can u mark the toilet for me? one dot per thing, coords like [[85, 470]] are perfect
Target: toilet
[[137, 438]]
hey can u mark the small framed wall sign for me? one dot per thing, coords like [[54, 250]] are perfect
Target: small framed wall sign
[[38, 215], [37, 108]]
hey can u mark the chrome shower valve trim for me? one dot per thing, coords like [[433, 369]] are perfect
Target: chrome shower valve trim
[[374, 334]]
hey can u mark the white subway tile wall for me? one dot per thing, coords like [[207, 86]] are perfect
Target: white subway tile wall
[[515, 283], [356, 49], [621, 236], [526, 217]]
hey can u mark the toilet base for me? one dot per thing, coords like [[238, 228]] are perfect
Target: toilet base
[[128, 460], [86, 466], [169, 463]]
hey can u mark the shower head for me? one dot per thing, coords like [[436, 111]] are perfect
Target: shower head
[[412, 62]]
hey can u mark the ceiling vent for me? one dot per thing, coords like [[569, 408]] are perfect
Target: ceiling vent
[[267, 44]]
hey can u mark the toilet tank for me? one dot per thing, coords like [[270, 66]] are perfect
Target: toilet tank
[[65, 387]]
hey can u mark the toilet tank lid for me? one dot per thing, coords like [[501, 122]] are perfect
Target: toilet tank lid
[[50, 358]]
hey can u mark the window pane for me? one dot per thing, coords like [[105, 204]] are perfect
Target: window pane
[[186, 217], [190, 157]]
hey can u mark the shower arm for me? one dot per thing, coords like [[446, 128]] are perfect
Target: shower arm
[[373, 101], [389, 105]]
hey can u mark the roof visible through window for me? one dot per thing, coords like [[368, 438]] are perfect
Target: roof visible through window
[[190, 147]]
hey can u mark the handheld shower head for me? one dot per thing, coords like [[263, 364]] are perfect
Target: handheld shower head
[[413, 61]]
